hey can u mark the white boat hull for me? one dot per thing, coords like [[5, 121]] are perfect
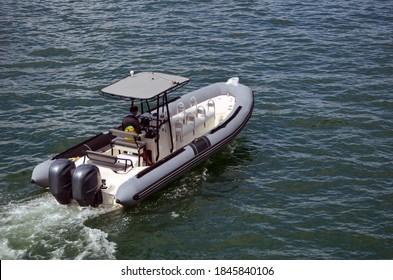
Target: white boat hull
[[196, 131]]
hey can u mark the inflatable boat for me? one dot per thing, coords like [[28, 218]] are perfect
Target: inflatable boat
[[123, 167]]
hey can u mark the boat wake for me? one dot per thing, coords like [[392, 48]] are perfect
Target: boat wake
[[39, 229]]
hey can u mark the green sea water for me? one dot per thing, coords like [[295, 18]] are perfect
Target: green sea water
[[310, 176]]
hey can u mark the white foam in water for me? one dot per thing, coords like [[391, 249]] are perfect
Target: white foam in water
[[43, 229]]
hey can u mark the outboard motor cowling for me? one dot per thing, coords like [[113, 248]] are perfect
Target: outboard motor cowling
[[86, 185], [60, 179]]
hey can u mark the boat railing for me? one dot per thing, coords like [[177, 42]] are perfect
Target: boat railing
[[181, 109], [193, 102], [201, 114], [190, 120], [179, 130], [211, 107]]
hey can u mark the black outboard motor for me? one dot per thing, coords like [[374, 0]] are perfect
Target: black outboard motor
[[86, 185], [60, 179]]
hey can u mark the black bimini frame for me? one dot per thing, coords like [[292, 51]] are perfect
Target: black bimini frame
[[145, 87]]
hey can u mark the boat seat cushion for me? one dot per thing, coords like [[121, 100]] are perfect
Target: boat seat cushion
[[128, 143], [123, 134], [115, 163], [127, 140]]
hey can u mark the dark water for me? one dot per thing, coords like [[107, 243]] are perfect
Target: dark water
[[310, 177]]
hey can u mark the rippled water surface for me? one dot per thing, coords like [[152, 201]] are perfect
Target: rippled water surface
[[310, 177]]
